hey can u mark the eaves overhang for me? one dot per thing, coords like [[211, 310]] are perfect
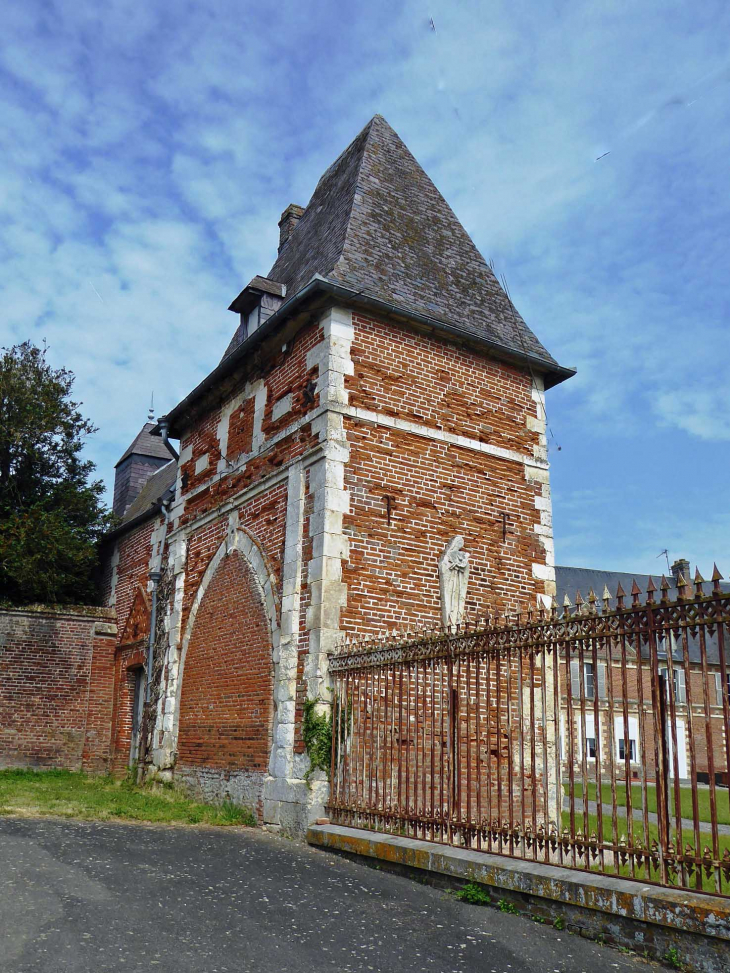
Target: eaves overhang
[[332, 291], [154, 508]]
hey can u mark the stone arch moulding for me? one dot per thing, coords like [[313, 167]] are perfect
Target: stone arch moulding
[[237, 540]]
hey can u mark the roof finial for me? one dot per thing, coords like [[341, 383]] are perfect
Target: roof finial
[[151, 416]]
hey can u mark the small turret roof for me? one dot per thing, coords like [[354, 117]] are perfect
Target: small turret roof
[[145, 445]]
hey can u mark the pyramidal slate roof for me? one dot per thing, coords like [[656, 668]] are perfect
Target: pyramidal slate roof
[[377, 224], [378, 233], [145, 444]]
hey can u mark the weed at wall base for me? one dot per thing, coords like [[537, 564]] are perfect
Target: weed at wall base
[[317, 736], [474, 894], [672, 958]]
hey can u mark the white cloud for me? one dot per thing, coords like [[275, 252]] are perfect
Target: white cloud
[[149, 154], [699, 410]]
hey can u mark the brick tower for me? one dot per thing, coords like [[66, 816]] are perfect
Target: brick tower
[[381, 401]]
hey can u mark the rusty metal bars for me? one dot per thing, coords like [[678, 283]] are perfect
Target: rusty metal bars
[[595, 740]]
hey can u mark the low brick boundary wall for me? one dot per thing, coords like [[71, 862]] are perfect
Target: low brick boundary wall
[[56, 686], [645, 918]]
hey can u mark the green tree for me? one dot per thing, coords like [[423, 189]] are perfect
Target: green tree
[[52, 515]]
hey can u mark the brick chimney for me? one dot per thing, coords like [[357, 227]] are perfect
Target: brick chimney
[[289, 219], [681, 566]]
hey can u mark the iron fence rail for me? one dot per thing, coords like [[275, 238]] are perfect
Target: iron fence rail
[[594, 739]]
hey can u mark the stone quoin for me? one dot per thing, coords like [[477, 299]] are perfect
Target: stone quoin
[[380, 408]]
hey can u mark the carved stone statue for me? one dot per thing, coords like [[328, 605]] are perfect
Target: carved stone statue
[[453, 579]]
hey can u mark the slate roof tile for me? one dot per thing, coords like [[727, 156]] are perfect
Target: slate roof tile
[[146, 445], [377, 227], [153, 491]]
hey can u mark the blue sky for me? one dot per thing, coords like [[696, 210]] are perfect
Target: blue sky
[[150, 148]]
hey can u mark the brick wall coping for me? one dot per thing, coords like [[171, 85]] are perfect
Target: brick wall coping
[[626, 912], [63, 611]]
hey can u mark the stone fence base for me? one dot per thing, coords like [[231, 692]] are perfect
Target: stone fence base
[[659, 922]]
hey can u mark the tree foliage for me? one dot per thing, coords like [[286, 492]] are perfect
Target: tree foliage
[[51, 512]]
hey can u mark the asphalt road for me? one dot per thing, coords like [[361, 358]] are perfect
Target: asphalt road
[[80, 897]]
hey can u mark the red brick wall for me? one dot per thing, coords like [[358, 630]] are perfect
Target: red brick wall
[[264, 517], [219, 490], [439, 384], [203, 438], [289, 375], [56, 688], [133, 567], [240, 429], [437, 491], [227, 683], [97, 742], [408, 734], [132, 605]]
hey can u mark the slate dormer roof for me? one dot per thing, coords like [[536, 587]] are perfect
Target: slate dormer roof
[[145, 444], [377, 224], [251, 295]]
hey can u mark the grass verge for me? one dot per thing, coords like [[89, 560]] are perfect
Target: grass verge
[[703, 799], [63, 793], [641, 838]]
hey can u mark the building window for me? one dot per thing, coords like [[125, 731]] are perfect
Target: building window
[[253, 319], [590, 734], [577, 737], [718, 687], [680, 690], [622, 750], [619, 731], [668, 641], [591, 677]]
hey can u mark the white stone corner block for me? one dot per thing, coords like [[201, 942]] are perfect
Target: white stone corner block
[[337, 321], [543, 572]]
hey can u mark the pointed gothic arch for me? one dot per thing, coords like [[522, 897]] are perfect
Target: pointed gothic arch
[[224, 703]]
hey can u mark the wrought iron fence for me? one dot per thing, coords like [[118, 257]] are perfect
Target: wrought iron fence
[[596, 738]]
